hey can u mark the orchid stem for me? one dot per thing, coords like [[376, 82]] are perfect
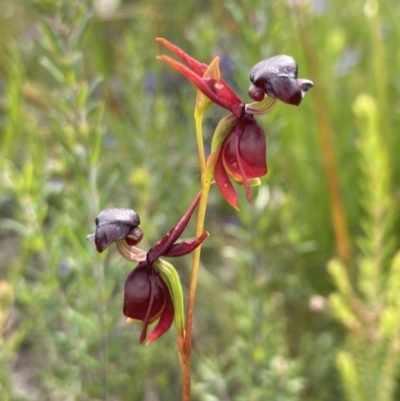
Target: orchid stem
[[206, 180], [198, 117]]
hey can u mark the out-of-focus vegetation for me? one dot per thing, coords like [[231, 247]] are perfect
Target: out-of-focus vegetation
[[299, 293]]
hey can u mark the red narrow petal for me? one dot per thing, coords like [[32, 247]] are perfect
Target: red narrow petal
[[195, 66], [185, 247], [143, 334], [227, 98], [196, 79], [165, 321], [224, 185], [229, 155], [172, 235], [217, 91], [241, 169]]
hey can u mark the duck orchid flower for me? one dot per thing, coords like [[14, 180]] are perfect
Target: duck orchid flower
[[242, 158], [241, 152], [152, 290]]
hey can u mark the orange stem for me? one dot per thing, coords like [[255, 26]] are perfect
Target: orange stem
[[325, 133], [185, 346]]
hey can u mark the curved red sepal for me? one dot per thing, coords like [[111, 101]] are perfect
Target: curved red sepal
[[217, 91], [224, 184], [165, 321], [185, 247], [172, 235], [196, 66]]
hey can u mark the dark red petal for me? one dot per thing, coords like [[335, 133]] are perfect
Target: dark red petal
[[231, 158], [251, 152], [217, 91], [146, 319], [144, 295], [195, 66], [172, 235], [185, 247], [165, 321], [241, 169], [229, 154], [253, 149], [224, 185]]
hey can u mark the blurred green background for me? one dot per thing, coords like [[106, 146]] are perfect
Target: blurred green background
[[299, 292]]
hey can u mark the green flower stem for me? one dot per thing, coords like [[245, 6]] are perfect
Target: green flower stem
[[206, 180], [198, 117]]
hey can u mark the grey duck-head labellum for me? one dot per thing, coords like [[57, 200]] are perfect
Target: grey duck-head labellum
[[116, 224], [277, 77]]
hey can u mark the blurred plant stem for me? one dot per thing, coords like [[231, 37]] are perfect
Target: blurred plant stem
[[325, 133], [371, 10]]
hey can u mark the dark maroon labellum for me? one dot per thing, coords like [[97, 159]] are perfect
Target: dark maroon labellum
[[116, 224], [277, 76]]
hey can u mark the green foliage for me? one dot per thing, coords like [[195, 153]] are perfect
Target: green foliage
[[90, 119], [369, 309]]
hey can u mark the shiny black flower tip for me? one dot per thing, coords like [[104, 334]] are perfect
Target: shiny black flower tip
[[277, 77], [114, 225]]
